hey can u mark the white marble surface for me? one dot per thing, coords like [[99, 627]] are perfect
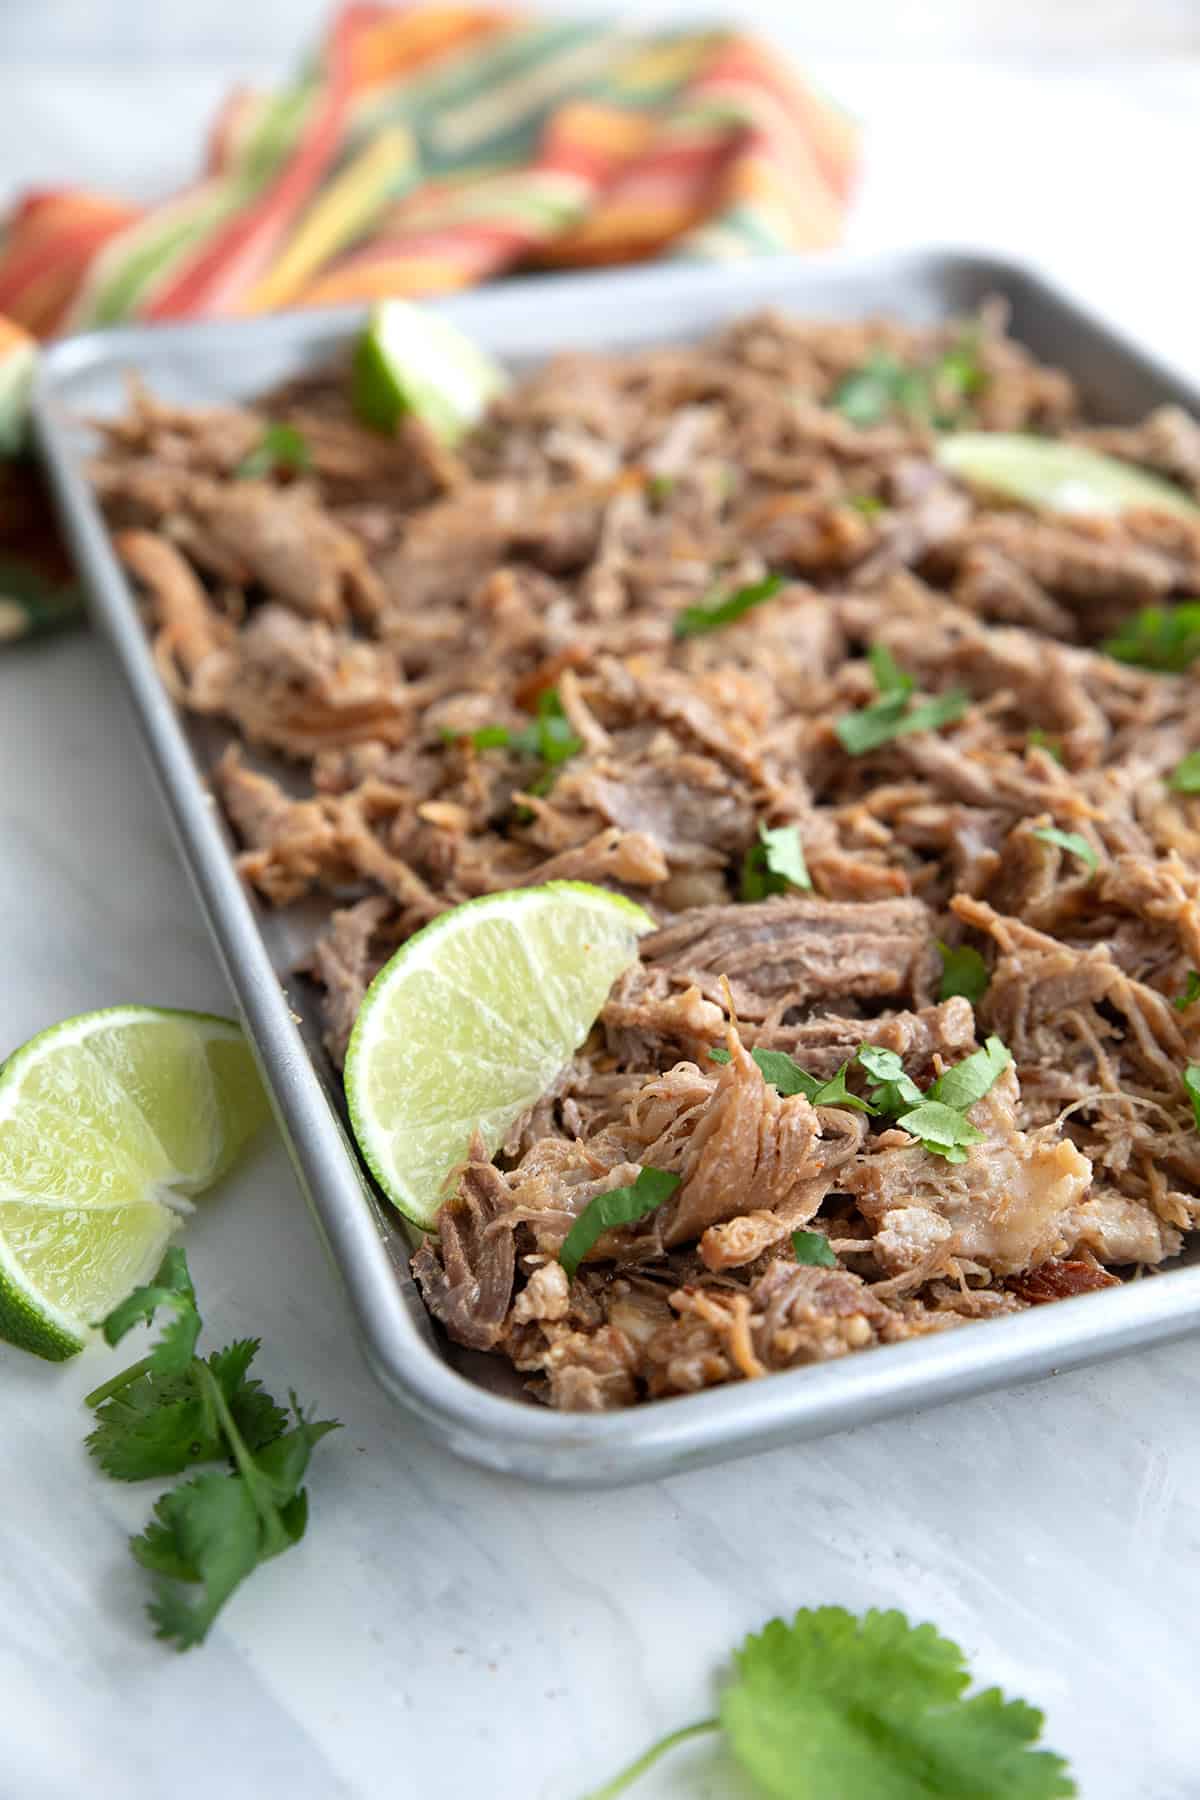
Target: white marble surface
[[444, 1633]]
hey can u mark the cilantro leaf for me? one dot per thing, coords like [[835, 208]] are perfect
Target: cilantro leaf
[[1068, 840], [869, 505], [889, 678], [1185, 776], [963, 972], [775, 864], [869, 395], [892, 715], [659, 488], [892, 1090], [969, 1080], [813, 1249], [1163, 638], [206, 1532], [1037, 739], [1191, 1085], [619, 1206], [830, 1707], [159, 1425], [785, 1074], [171, 1287], [934, 394], [692, 621], [281, 449], [1191, 992], [942, 1129]]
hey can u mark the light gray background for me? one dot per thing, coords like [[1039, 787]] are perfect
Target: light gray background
[[441, 1632]]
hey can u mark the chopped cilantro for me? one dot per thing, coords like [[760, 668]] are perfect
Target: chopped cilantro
[[889, 678], [891, 717], [1037, 739], [774, 864], [869, 505], [813, 1249], [549, 736], [1165, 638], [619, 1206], [892, 1090], [281, 449], [660, 488], [1068, 840], [969, 1080], [963, 972], [833, 1707], [934, 393], [869, 395], [941, 1129], [789, 1078], [1191, 1084], [694, 620], [1185, 776], [1191, 992]]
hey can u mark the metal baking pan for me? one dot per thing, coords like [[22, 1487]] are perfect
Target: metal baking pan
[[473, 1404]]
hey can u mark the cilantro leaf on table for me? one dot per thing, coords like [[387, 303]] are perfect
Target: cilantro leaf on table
[[693, 621], [963, 972], [281, 449], [774, 864], [1068, 840], [618, 1206], [833, 1707], [812, 1248], [165, 1414], [1163, 638], [171, 1287], [785, 1074]]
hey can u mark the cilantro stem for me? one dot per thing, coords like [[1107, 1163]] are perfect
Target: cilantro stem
[[647, 1760], [107, 1389]]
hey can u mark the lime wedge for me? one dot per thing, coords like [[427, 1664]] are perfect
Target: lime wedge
[[108, 1122], [412, 361], [471, 1021], [1057, 478]]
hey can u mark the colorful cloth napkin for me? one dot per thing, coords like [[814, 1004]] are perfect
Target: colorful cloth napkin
[[429, 147]]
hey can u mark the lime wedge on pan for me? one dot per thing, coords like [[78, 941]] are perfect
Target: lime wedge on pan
[[1057, 478], [412, 361], [470, 1022], [107, 1123]]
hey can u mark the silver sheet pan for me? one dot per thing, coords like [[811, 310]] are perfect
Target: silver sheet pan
[[470, 1403]]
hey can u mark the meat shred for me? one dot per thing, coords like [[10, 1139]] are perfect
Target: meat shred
[[355, 623]]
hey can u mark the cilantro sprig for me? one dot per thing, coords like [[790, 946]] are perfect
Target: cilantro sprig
[[693, 621], [893, 715], [833, 1707], [774, 864], [174, 1410]]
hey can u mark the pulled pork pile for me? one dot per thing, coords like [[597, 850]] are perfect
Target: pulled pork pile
[[363, 618]]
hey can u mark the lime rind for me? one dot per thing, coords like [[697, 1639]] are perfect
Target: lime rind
[[1057, 478], [472, 1020], [410, 360], [108, 1122]]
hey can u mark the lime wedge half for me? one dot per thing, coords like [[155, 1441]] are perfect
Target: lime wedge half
[[412, 361], [1058, 478], [108, 1123], [470, 1022]]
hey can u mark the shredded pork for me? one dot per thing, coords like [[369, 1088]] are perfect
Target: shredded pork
[[354, 623]]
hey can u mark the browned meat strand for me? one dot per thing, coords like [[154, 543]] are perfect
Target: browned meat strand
[[356, 623]]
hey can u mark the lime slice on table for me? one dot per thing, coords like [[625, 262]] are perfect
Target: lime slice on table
[[412, 361], [108, 1122], [470, 1022], [1053, 477]]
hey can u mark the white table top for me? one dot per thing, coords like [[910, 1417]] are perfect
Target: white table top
[[442, 1632]]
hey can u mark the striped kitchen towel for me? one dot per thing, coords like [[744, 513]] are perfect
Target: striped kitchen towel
[[429, 147]]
